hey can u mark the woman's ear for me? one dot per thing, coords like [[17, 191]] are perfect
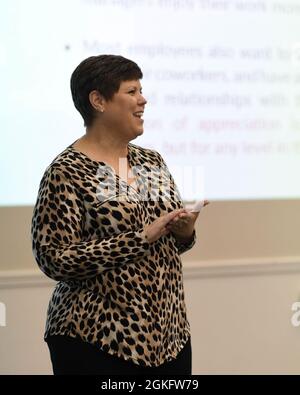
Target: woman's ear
[[97, 101]]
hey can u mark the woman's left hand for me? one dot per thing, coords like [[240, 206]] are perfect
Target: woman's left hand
[[182, 226]]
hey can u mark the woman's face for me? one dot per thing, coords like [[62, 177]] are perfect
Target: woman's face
[[124, 112]]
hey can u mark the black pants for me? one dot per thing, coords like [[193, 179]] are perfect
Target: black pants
[[76, 357]]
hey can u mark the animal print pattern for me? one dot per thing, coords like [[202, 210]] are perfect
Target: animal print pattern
[[114, 289]]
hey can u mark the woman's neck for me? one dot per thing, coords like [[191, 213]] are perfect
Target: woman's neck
[[104, 145]]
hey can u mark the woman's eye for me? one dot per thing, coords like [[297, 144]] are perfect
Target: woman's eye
[[134, 92]]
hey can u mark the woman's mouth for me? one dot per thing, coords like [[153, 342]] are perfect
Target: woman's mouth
[[139, 115]]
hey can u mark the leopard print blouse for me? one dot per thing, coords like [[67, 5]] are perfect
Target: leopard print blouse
[[114, 289]]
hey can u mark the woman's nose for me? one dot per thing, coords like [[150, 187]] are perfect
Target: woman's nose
[[142, 100]]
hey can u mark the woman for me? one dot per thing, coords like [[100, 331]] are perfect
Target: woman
[[109, 226]]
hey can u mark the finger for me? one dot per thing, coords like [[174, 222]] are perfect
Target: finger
[[177, 221], [184, 218], [168, 217], [178, 225], [172, 226], [165, 231]]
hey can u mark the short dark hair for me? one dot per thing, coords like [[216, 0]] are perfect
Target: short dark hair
[[103, 73]]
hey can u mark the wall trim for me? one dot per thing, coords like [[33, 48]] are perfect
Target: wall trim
[[24, 278], [191, 270], [241, 267]]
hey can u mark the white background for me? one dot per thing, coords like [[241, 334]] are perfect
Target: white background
[[222, 81]]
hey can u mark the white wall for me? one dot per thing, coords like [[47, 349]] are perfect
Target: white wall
[[240, 314], [225, 230], [239, 290], [241, 320]]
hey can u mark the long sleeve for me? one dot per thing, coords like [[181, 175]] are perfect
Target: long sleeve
[[57, 234], [116, 290], [182, 247]]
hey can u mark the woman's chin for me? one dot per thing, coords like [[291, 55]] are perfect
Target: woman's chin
[[135, 132], [139, 132]]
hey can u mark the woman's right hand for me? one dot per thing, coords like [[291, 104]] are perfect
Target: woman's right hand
[[158, 227]]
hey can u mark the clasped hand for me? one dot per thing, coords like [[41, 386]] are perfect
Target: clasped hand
[[179, 222], [182, 225]]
